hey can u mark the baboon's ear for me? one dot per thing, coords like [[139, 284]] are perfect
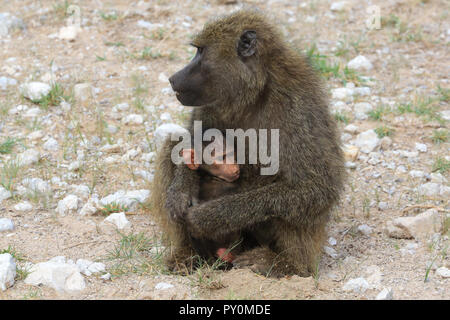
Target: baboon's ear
[[247, 44]]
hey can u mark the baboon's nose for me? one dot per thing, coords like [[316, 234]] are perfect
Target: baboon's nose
[[171, 80]]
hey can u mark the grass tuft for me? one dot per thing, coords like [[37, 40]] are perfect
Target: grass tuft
[[441, 165], [54, 97], [384, 131], [7, 146], [439, 136]]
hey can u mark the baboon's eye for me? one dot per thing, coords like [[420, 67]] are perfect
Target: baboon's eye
[[199, 49]]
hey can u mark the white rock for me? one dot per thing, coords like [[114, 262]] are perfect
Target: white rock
[[361, 110], [111, 148], [165, 116], [51, 145], [437, 177], [112, 129], [133, 119], [350, 152], [28, 157], [408, 154], [6, 224], [9, 22], [128, 199], [444, 191], [351, 128], [34, 91], [106, 276], [350, 165], [365, 229], [339, 6], [111, 160], [346, 137], [88, 267], [443, 272], [131, 154], [421, 147], [18, 109], [83, 266], [121, 107], [362, 91], [445, 115], [97, 267], [417, 174], [36, 185], [23, 206], [73, 166], [149, 157], [65, 106], [342, 93], [144, 175], [367, 141], [358, 285], [4, 194], [332, 241], [69, 33], [6, 82], [57, 274], [360, 62], [36, 135], [383, 205], [374, 276], [163, 286], [340, 106], [119, 220], [81, 190], [32, 113], [7, 271], [82, 91], [168, 130], [429, 189], [148, 25], [163, 78], [410, 248], [385, 294], [68, 204], [417, 227], [90, 208], [331, 252]]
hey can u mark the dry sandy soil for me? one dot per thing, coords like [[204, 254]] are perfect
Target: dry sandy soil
[[126, 63]]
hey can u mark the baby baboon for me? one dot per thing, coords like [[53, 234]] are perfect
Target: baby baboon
[[245, 76], [217, 179]]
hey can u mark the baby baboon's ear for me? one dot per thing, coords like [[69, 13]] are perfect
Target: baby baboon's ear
[[247, 44]]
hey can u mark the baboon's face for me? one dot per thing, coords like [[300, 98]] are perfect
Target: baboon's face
[[216, 73], [189, 82]]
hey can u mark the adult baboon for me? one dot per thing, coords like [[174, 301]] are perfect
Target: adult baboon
[[245, 75]]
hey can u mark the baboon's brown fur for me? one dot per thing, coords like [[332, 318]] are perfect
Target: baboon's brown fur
[[285, 214]]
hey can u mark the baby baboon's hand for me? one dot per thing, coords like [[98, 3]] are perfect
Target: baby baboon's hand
[[177, 205]]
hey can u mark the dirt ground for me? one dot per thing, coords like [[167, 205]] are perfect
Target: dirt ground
[[127, 63]]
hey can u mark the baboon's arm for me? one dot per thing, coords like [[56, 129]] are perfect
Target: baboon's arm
[[184, 186], [239, 211]]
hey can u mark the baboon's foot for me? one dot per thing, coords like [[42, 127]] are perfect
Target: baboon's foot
[[260, 260], [269, 264], [182, 263]]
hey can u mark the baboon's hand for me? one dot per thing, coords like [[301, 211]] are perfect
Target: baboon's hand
[[201, 221], [177, 204]]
